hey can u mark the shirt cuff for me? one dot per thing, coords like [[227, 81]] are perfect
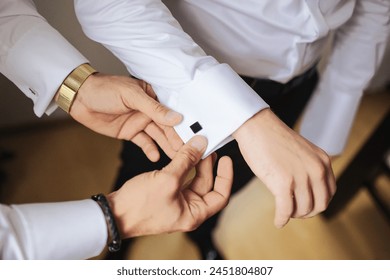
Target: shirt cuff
[[39, 62], [328, 119], [64, 230], [215, 104]]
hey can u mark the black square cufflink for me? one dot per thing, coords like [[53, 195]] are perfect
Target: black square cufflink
[[196, 127]]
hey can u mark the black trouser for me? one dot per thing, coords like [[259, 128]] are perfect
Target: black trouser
[[286, 100]]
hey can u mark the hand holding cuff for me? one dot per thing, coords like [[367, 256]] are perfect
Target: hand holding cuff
[[214, 104]]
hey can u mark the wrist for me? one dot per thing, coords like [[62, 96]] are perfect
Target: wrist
[[118, 213], [247, 128], [68, 90], [114, 237]]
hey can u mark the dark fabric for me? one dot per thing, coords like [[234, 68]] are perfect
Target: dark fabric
[[286, 100]]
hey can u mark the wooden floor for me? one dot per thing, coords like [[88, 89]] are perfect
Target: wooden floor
[[65, 161]]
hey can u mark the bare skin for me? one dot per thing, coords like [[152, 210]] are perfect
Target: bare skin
[[298, 173], [161, 202], [126, 108]]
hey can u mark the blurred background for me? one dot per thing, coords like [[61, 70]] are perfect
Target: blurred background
[[56, 159]]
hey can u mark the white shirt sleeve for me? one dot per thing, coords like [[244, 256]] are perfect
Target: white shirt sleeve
[[33, 55], [37, 59], [64, 230], [357, 52], [143, 34]]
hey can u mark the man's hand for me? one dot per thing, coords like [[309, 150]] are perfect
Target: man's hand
[[161, 202], [296, 172], [125, 108]]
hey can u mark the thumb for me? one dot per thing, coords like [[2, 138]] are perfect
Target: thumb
[[155, 110], [187, 157]]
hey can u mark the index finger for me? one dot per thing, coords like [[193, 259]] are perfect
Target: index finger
[[154, 110]]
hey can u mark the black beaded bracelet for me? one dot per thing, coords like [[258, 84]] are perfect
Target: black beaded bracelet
[[114, 239]]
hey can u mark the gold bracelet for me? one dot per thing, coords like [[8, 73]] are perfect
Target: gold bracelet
[[69, 88]]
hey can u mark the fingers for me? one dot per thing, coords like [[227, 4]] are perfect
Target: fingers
[[323, 195], [218, 198], [204, 177], [160, 137], [308, 196], [290, 166], [302, 202], [172, 136], [284, 207], [187, 157], [147, 145], [130, 125], [153, 109], [303, 198]]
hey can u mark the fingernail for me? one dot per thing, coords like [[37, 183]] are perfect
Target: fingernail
[[199, 143], [173, 116]]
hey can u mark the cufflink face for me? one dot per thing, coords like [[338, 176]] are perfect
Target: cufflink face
[[196, 127]]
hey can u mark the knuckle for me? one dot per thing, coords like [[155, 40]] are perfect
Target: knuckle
[[189, 226], [285, 213], [286, 180], [322, 174], [306, 211], [333, 190], [155, 173], [323, 204], [326, 159], [191, 155], [147, 146], [285, 186], [320, 170], [193, 226], [142, 84], [225, 202], [138, 85], [158, 108], [208, 180]]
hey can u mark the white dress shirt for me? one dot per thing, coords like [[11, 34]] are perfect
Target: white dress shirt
[[276, 39], [37, 59], [194, 72]]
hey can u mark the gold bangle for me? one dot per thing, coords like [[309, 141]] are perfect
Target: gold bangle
[[69, 88]]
